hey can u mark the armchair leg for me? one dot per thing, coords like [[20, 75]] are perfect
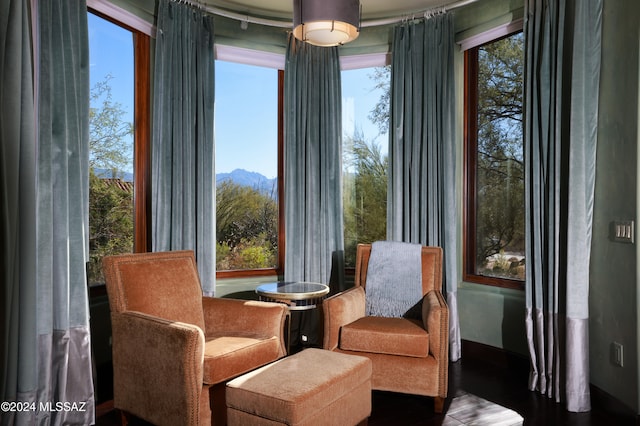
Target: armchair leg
[[218, 403], [438, 404]]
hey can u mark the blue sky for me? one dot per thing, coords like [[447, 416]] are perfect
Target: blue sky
[[246, 100], [111, 52], [246, 121], [246, 115]]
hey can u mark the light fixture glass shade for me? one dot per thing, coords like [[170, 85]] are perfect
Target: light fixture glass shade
[[326, 22]]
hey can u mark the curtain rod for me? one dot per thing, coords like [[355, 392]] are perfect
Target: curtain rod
[[424, 13], [288, 24]]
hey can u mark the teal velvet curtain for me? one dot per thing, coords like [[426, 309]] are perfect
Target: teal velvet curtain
[[18, 207], [183, 168], [45, 155], [562, 71], [313, 165], [421, 204]]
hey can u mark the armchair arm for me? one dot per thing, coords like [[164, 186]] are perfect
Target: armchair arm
[[244, 317], [157, 368], [435, 318], [341, 309]]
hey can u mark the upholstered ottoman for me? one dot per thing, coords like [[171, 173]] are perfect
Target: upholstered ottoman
[[312, 387]]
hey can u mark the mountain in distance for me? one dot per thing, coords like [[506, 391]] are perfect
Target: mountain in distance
[[251, 179], [238, 176]]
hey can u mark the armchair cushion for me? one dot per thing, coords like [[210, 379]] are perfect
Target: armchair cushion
[[257, 319], [229, 356], [392, 336], [239, 335]]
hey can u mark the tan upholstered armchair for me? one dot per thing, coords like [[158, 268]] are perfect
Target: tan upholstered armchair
[[409, 353], [173, 349]]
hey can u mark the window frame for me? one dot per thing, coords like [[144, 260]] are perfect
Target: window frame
[[279, 269], [141, 140], [142, 143], [470, 136]]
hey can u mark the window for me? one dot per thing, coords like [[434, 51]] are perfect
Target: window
[[247, 132], [365, 110], [111, 143], [494, 195]]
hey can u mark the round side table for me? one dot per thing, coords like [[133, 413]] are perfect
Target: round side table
[[299, 296]]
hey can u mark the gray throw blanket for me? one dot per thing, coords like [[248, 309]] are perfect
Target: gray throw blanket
[[394, 278]]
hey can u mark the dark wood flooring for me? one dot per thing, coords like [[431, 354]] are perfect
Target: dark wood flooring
[[501, 379], [496, 383]]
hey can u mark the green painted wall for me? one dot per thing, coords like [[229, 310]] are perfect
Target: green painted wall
[[613, 288]]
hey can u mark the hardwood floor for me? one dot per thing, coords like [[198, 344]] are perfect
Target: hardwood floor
[[502, 380]]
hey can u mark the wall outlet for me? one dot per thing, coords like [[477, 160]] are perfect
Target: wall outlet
[[617, 354]]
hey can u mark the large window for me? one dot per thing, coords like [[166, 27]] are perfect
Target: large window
[[494, 196], [111, 143], [247, 146], [365, 107]]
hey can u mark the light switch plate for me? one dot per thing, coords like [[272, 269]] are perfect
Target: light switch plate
[[623, 231], [617, 354]]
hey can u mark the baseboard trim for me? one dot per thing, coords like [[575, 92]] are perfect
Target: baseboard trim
[[609, 403], [492, 355]]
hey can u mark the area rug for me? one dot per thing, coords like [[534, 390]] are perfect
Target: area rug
[[470, 410]]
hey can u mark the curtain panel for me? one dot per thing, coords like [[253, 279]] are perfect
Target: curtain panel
[[562, 72], [183, 168], [47, 351], [314, 230], [18, 208], [313, 164], [421, 205]]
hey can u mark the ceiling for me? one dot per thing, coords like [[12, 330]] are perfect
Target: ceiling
[[283, 9]]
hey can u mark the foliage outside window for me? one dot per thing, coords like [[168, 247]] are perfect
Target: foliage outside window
[[365, 161], [247, 209], [111, 218], [246, 228], [494, 244]]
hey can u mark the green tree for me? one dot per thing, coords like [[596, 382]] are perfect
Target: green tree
[[379, 115], [109, 132], [365, 194], [110, 203]]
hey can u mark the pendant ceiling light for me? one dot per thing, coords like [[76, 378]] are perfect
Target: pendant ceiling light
[[326, 22]]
